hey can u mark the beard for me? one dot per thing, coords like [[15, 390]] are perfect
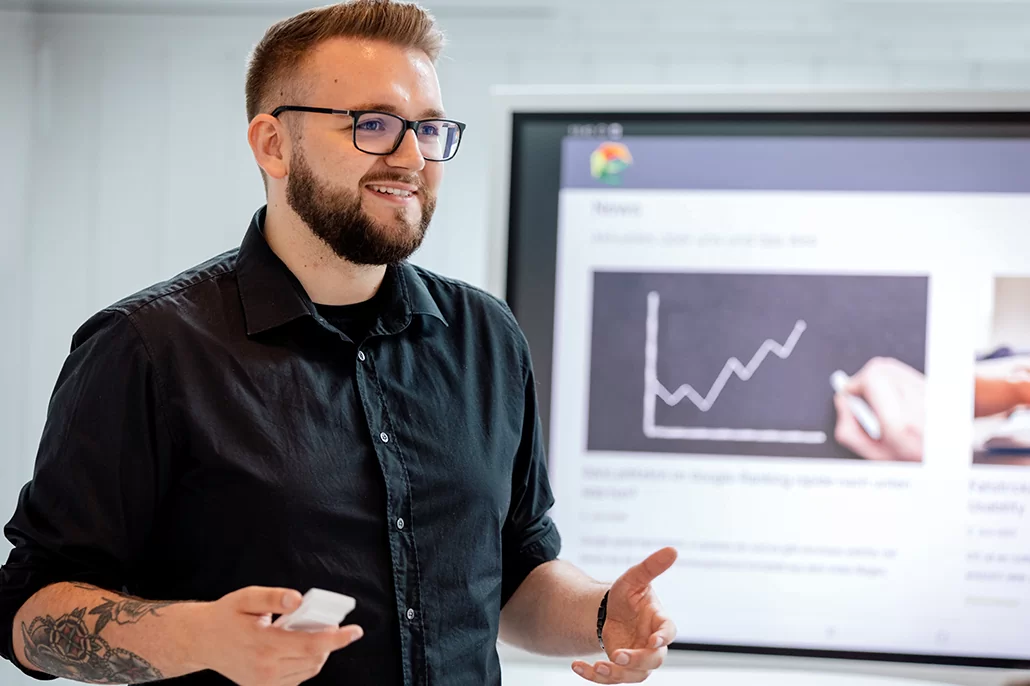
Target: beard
[[337, 218]]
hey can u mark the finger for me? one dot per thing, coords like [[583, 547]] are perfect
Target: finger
[[643, 659], [346, 635], [859, 381], [607, 673], [647, 571], [855, 385], [850, 434], [260, 600], [305, 644], [335, 639], [665, 631]]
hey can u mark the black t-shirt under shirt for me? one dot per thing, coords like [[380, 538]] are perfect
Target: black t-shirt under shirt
[[353, 321]]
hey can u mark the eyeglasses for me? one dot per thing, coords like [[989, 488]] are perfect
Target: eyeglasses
[[381, 133]]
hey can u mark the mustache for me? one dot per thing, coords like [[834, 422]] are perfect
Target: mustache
[[411, 179]]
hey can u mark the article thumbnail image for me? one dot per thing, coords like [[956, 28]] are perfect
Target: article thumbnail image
[[779, 365], [1001, 406]]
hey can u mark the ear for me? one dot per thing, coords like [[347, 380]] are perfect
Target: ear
[[269, 142]]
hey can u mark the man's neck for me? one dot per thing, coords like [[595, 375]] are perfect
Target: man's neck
[[327, 278]]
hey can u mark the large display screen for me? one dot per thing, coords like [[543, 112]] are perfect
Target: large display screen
[[797, 348]]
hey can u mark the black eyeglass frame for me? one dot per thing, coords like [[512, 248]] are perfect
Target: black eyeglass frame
[[355, 114]]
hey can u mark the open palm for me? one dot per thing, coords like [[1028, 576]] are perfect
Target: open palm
[[636, 632]]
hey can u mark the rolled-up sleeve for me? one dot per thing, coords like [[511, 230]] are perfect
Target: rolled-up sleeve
[[530, 537], [86, 513]]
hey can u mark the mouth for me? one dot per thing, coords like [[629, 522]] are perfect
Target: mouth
[[395, 193]]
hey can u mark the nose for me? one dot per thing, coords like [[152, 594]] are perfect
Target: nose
[[407, 155]]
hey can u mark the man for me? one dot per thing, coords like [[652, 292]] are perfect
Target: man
[[311, 411]]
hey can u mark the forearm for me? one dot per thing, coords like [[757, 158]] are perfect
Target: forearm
[[994, 395], [87, 634], [554, 611]]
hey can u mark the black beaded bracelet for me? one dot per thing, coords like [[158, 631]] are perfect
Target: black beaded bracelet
[[602, 614]]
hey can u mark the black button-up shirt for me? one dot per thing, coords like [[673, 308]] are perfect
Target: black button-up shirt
[[215, 432]]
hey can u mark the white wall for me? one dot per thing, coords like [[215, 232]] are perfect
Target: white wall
[[138, 165], [17, 90]]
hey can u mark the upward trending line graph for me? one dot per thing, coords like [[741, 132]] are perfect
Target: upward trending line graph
[[654, 390]]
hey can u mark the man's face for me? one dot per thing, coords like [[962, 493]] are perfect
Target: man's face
[[331, 185]]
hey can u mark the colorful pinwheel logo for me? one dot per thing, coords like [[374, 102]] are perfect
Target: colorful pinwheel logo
[[609, 161]]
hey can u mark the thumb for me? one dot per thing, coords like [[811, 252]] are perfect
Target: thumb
[[260, 600], [656, 564]]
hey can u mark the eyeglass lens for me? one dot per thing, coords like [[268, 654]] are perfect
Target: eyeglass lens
[[378, 133]]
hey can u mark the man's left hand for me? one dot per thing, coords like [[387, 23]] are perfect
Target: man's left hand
[[637, 632]]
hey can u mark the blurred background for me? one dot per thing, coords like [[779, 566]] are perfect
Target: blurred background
[[125, 159]]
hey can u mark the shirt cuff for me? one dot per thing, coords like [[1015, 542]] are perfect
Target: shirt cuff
[[543, 548]]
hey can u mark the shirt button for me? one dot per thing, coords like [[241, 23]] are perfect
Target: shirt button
[[410, 614], [400, 523], [361, 355], [384, 438]]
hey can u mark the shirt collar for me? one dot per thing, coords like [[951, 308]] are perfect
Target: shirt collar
[[408, 295], [273, 296]]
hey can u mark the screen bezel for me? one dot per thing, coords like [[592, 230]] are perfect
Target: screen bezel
[[514, 107]]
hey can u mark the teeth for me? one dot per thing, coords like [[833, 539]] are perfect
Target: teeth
[[392, 191]]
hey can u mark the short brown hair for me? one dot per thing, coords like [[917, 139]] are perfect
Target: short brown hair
[[286, 43]]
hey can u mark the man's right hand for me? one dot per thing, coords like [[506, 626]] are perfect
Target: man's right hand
[[234, 636]]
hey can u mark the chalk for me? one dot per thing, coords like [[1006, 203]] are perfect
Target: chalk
[[863, 413]]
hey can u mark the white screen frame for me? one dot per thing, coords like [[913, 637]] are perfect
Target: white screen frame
[[508, 101]]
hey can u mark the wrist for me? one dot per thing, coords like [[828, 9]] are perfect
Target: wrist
[[1022, 388], [192, 622]]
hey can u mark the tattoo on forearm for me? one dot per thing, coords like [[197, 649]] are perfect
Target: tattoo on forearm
[[127, 611], [66, 647]]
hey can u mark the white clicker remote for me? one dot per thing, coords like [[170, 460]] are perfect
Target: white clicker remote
[[318, 610]]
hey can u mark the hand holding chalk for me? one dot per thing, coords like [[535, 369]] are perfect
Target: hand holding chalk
[[881, 410], [863, 413]]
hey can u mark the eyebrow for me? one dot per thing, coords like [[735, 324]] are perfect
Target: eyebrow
[[431, 113]]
